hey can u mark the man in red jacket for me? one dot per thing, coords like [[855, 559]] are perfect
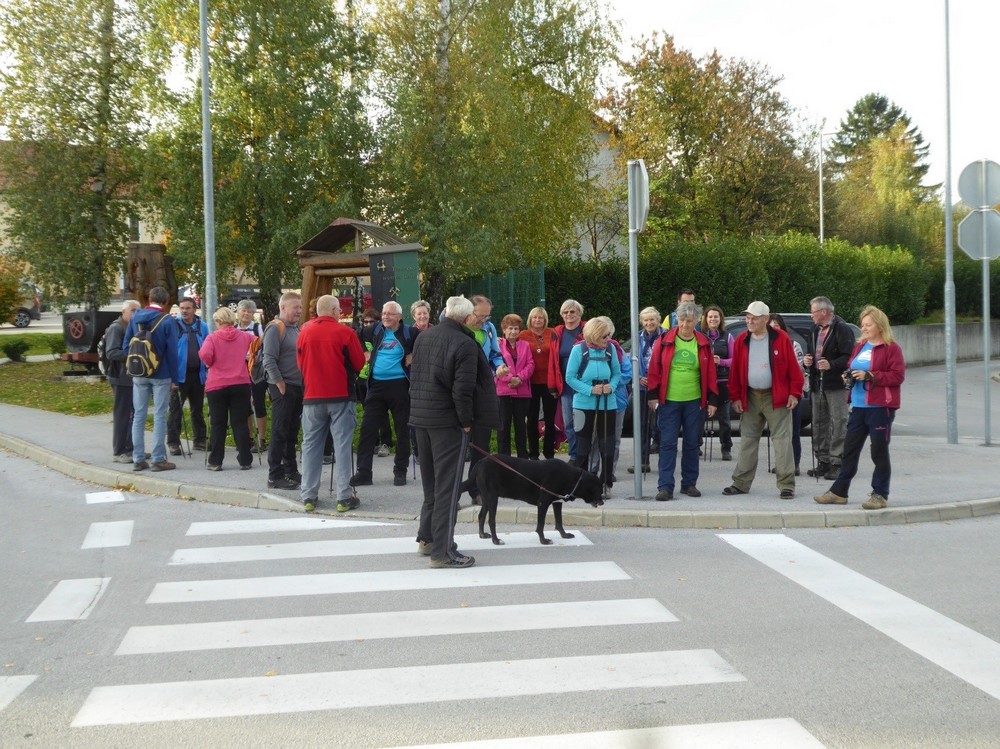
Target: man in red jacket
[[329, 356], [765, 384]]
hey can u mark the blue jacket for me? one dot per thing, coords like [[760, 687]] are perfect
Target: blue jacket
[[200, 330], [601, 365], [164, 341], [491, 347], [621, 392]]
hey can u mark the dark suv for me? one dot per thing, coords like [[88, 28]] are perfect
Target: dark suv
[[238, 293]]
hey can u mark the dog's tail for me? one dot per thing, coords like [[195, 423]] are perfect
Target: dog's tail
[[469, 485]]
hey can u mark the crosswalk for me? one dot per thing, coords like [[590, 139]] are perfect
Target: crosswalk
[[217, 569]]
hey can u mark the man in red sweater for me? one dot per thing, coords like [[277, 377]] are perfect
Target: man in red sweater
[[329, 357]]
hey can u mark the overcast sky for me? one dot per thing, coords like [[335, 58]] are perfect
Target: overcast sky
[[830, 54]]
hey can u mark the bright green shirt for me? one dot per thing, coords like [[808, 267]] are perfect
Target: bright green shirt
[[685, 373]]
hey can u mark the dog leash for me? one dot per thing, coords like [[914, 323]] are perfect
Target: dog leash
[[561, 497]]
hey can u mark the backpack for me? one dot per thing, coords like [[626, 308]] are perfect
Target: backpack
[[103, 362], [141, 359], [255, 357]]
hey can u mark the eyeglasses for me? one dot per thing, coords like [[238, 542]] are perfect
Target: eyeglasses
[[482, 318], [368, 322]]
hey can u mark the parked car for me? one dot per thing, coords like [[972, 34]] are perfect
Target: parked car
[[238, 293], [29, 307]]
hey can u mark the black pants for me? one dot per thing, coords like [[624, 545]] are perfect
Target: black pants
[[385, 428], [540, 396], [385, 397], [286, 420], [229, 406], [599, 427], [441, 464], [121, 430], [862, 424], [193, 391], [513, 414]]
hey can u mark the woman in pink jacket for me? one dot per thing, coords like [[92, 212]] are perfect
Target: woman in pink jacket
[[514, 388], [227, 388]]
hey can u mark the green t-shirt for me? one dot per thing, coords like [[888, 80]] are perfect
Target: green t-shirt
[[685, 373]]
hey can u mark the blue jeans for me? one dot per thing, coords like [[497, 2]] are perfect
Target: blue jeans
[[142, 389], [339, 419], [671, 417], [566, 406]]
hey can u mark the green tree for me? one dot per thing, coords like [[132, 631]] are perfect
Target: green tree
[[71, 99], [290, 134], [486, 130], [874, 116], [718, 140]]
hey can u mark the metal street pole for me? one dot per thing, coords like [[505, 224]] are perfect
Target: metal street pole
[[951, 390], [819, 168], [638, 209], [208, 178]]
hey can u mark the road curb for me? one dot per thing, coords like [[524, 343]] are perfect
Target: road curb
[[630, 514]]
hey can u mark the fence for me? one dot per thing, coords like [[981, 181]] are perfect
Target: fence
[[514, 291]]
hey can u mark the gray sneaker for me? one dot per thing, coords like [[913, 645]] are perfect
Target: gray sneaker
[[123, 458], [875, 502], [383, 451]]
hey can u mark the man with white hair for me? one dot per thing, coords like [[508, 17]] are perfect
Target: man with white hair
[[453, 390], [329, 357], [284, 387], [121, 384], [388, 392]]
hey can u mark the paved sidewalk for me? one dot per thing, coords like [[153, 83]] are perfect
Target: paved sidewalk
[[931, 481]]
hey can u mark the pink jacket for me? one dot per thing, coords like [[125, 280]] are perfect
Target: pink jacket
[[225, 354], [523, 368]]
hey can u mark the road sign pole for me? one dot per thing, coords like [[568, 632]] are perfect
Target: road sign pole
[[638, 209], [986, 345]]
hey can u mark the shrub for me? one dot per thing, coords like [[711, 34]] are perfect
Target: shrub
[[14, 350]]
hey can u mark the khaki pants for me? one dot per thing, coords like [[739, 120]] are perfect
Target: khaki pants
[[829, 425], [760, 411]]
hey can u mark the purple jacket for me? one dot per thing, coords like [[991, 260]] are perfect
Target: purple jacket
[[523, 368]]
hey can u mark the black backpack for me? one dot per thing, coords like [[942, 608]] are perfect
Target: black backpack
[[103, 363], [141, 359]]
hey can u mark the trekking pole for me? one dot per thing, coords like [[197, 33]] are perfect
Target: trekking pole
[[354, 489], [209, 442], [456, 489], [333, 467], [184, 428], [769, 449]]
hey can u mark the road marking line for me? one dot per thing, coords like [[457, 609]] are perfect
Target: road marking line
[[388, 580], [186, 700], [95, 498], [778, 733], [70, 600], [11, 687], [107, 535], [354, 547], [299, 630], [226, 527], [954, 647]]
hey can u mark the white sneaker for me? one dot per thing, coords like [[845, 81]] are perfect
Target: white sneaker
[[383, 451], [123, 458]]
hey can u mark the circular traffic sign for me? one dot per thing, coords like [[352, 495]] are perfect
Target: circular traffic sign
[[979, 184]]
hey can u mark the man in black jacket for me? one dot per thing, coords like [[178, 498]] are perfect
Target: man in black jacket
[[452, 389], [830, 349], [121, 384]]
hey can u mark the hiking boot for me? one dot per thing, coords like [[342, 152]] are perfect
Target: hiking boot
[[247, 467], [346, 505], [294, 476], [829, 498], [875, 502], [786, 494], [456, 563], [383, 451], [819, 471], [283, 483], [142, 465], [424, 548], [359, 479], [261, 448], [727, 454], [731, 490], [123, 458], [309, 505], [399, 479], [163, 465], [664, 495], [175, 450], [645, 468], [691, 491], [199, 446]]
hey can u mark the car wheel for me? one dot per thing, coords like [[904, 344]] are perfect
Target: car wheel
[[234, 306], [22, 319]]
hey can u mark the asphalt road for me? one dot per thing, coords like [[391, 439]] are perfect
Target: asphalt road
[[863, 637]]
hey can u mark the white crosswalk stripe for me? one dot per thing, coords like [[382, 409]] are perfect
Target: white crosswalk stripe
[[352, 547], [283, 525], [70, 600], [109, 535], [12, 686]]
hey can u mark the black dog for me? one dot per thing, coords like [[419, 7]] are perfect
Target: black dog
[[540, 483]]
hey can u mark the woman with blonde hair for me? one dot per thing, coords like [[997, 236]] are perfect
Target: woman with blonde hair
[[227, 388], [875, 372], [564, 339], [538, 336], [420, 311], [592, 375]]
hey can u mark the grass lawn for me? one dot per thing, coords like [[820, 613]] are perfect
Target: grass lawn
[[40, 343], [38, 385]]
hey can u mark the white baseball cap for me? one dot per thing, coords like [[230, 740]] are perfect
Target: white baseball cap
[[757, 309]]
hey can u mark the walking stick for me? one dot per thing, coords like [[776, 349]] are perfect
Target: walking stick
[[333, 467], [456, 489], [184, 428]]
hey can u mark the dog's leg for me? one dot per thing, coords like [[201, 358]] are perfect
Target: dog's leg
[[543, 510], [557, 511], [490, 501], [482, 522]]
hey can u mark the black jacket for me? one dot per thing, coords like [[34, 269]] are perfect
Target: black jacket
[[451, 383], [836, 350], [116, 354]]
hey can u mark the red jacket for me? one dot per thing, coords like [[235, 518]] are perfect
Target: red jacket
[[658, 375], [888, 370], [329, 357], [555, 380], [786, 374]]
